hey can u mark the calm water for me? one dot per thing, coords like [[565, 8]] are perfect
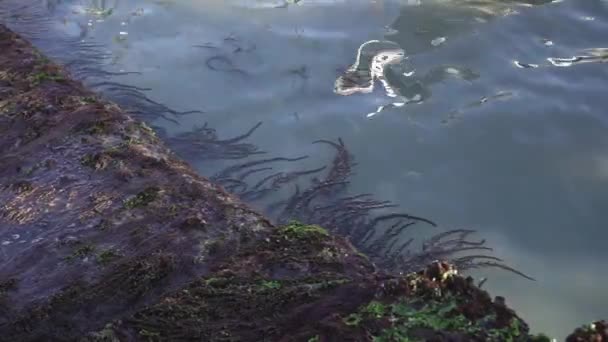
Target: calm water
[[505, 140]]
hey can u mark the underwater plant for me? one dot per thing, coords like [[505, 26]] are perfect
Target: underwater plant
[[326, 202], [86, 61]]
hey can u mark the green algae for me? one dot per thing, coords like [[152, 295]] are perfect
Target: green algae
[[42, 59], [142, 199], [81, 252], [90, 160], [141, 276], [6, 286], [414, 317], [105, 335], [108, 256], [131, 140], [353, 319], [149, 335], [147, 129], [88, 99], [99, 12], [99, 161], [99, 128], [214, 246], [299, 231], [270, 284], [540, 338], [43, 76], [173, 211]]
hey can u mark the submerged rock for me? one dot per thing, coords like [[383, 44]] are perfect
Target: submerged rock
[[595, 332], [112, 238]]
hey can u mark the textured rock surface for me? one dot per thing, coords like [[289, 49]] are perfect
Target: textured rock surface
[[91, 199]]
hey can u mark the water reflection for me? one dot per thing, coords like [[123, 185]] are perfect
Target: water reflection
[[594, 55], [384, 62]]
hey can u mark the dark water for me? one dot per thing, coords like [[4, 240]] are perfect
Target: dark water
[[506, 140]]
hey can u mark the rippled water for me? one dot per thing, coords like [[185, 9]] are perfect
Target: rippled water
[[506, 132]]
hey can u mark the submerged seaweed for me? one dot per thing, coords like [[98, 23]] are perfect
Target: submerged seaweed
[[86, 61], [325, 202], [204, 142]]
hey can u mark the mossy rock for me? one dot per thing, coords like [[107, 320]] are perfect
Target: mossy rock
[[300, 231], [142, 199]]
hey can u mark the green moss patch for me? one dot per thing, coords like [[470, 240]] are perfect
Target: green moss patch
[[45, 71], [44, 76], [304, 232], [108, 256], [142, 199], [81, 252], [98, 128], [417, 320]]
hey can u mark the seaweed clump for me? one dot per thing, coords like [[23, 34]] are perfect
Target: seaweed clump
[[204, 143], [87, 61], [326, 202]]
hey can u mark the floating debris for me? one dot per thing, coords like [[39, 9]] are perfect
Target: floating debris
[[372, 58], [454, 114], [438, 41], [595, 55], [524, 65], [223, 63], [389, 31]]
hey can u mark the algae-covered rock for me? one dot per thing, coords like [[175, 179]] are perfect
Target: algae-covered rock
[[97, 217]]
